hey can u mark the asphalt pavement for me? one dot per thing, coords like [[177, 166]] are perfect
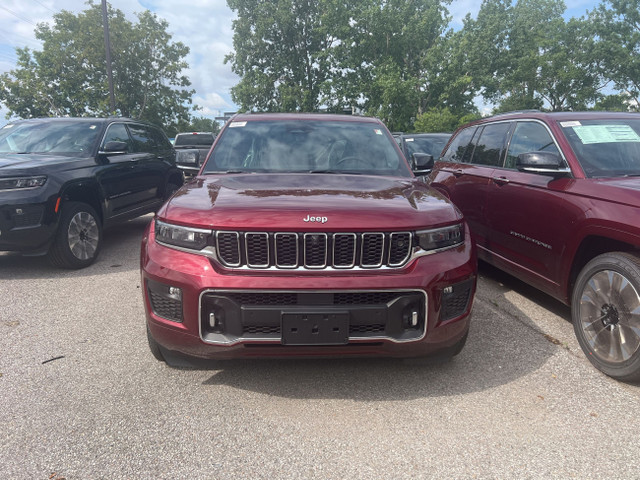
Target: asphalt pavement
[[81, 397]]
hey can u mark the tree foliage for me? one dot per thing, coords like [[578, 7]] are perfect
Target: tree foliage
[[69, 76]]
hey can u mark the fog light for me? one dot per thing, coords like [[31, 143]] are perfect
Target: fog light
[[175, 293], [447, 290], [414, 319], [411, 317], [213, 322]]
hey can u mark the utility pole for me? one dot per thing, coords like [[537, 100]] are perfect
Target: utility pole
[[107, 46]]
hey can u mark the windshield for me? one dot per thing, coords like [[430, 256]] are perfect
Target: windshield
[[321, 146], [52, 137], [605, 147], [193, 139], [431, 145]]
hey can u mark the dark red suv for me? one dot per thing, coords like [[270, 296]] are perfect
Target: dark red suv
[[553, 198], [307, 235]]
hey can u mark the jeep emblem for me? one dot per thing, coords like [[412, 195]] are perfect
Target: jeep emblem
[[309, 218]]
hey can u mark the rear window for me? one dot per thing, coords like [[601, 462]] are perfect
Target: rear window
[[193, 140], [307, 146]]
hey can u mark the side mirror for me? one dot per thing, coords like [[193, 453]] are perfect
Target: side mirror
[[546, 163], [422, 163], [114, 147]]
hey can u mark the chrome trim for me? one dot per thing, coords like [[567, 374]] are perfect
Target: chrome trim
[[237, 340], [407, 256], [223, 262], [275, 249], [326, 250], [372, 265], [355, 246], [246, 249]]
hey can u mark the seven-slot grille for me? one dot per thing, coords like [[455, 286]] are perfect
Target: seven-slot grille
[[313, 250]]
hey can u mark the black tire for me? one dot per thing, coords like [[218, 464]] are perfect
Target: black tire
[[604, 299], [155, 348], [78, 239]]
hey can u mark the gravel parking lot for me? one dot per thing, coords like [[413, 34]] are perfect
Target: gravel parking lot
[[82, 397]]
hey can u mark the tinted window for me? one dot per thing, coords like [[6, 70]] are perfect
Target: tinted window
[[431, 145], [117, 132], [490, 145], [143, 138], [456, 151], [529, 137], [194, 139], [606, 147], [306, 145]]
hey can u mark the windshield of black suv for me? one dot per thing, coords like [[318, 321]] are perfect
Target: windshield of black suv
[[605, 147], [193, 140], [432, 145], [59, 137], [316, 146]]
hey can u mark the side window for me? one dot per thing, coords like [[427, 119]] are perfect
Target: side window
[[456, 151], [117, 132], [160, 138], [529, 137], [490, 145], [143, 139]]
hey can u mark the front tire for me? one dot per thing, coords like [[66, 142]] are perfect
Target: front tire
[[79, 237], [605, 310]]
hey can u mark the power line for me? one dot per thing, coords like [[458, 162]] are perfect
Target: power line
[[44, 6], [18, 16]]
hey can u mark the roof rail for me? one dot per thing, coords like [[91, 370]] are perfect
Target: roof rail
[[530, 110]]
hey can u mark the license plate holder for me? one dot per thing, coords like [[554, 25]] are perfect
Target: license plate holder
[[315, 328]]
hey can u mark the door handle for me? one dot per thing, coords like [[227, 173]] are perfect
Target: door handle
[[500, 180]]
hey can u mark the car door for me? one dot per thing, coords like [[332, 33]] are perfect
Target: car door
[[528, 221], [466, 169], [117, 171], [151, 168]]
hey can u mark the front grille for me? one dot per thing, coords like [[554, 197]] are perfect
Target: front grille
[[311, 250]]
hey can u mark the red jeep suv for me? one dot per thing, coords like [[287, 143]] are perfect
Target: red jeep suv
[[552, 198], [307, 234]]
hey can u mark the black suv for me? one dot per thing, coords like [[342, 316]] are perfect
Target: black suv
[[63, 179]]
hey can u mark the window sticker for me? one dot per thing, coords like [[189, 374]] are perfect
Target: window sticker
[[574, 123], [237, 124], [8, 126], [378, 131], [408, 139], [589, 134]]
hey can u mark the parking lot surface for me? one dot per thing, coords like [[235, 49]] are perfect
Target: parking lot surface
[[82, 397]]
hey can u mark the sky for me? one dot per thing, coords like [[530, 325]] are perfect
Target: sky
[[205, 26]]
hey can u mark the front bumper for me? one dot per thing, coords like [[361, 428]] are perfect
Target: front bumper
[[28, 221], [196, 307]]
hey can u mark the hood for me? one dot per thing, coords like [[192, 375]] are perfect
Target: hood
[[18, 164], [308, 202]]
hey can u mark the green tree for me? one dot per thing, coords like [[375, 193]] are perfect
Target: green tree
[[282, 52], [203, 124], [527, 56], [68, 76], [617, 24]]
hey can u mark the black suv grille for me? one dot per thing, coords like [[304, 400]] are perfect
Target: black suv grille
[[313, 250]]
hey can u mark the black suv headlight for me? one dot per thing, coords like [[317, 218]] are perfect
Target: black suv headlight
[[179, 236], [22, 182], [439, 238]]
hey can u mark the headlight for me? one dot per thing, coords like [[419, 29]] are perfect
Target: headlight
[[191, 238], [22, 182], [190, 157], [441, 237]]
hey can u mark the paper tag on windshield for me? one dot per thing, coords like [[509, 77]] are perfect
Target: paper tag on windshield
[[378, 131], [408, 139], [570, 124], [589, 134], [237, 124]]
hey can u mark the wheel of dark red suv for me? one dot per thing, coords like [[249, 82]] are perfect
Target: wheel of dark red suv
[[154, 347], [606, 314], [79, 237]]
